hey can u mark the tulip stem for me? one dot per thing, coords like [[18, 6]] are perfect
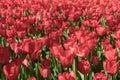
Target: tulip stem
[[2, 76], [110, 77], [114, 77], [74, 66], [85, 77]]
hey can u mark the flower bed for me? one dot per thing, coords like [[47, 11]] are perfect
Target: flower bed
[[59, 39]]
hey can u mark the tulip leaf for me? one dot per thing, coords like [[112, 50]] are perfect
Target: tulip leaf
[[26, 13], [66, 32], [103, 22], [80, 76]]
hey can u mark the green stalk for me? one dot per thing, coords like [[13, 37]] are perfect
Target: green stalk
[[114, 77], [85, 77], [110, 77], [60, 67], [37, 70], [2, 75], [74, 66]]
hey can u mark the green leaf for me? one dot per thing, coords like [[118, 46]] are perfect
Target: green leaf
[[26, 13], [80, 76], [14, 17], [18, 39], [89, 28], [103, 22], [66, 32]]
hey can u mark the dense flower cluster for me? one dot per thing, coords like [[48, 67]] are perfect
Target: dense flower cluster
[[59, 39]]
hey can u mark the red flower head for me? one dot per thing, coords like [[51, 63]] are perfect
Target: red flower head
[[32, 30], [106, 44], [100, 76], [84, 66], [117, 43], [45, 61], [15, 47], [25, 62], [11, 70], [66, 58], [31, 78], [4, 55], [56, 49], [75, 16], [111, 54], [95, 60], [11, 32], [67, 76], [32, 47], [21, 61], [21, 34], [70, 43], [45, 71], [110, 66], [100, 30], [116, 35], [27, 45]]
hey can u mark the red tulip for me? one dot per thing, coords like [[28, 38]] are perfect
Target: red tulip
[[66, 58], [31, 78], [56, 49], [88, 42], [11, 70], [4, 55], [83, 51], [25, 63], [100, 76], [100, 30], [75, 16], [21, 61], [45, 71], [15, 47], [111, 54], [117, 43], [27, 46], [110, 66], [116, 35], [84, 66], [106, 44], [70, 42], [11, 32], [45, 61], [67, 76], [95, 60], [54, 37], [10, 21], [32, 30], [32, 47], [21, 34]]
